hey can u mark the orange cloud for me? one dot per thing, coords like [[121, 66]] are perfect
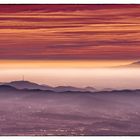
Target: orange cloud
[[70, 32]]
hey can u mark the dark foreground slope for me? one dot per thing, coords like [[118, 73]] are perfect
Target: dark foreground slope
[[35, 112]]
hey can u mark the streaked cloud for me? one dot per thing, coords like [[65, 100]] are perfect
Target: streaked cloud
[[70, 32]]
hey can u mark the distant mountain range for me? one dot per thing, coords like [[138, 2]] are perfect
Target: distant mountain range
[[15, 87], [34, 86], [131, 65], [135, 64]]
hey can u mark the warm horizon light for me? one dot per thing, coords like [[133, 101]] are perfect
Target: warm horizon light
[[63, 63], [70, 70], [78, 45]]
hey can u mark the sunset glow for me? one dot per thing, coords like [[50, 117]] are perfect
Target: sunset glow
[[62, 64], [77, 45], [70, 32]]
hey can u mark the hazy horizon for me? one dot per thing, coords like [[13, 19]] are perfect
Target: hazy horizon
[[76, 45], [99, 74], [70, 44], [79, 45]]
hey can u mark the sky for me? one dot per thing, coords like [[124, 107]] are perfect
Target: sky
[[70, 32], [70, 44]]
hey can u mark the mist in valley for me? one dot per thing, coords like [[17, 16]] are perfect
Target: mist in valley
[[34, 112]]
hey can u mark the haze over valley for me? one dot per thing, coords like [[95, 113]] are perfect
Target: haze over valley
[[69, 69], [31, 111]]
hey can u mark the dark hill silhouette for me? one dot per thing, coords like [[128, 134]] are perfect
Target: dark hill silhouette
[[7, 88], [70, 88], [60, 89], [32, 86], [28, 85]]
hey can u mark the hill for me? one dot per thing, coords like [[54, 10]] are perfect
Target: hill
[[31, 85]]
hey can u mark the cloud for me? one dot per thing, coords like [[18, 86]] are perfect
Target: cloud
[[69, 32]]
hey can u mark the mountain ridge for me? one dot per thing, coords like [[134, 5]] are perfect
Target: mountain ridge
[[5, 88], [135, 64], [32, 86]]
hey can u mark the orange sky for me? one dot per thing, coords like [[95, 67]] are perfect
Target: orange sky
[[70, 44], [70, 32], [77, 45], [43, 64]]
